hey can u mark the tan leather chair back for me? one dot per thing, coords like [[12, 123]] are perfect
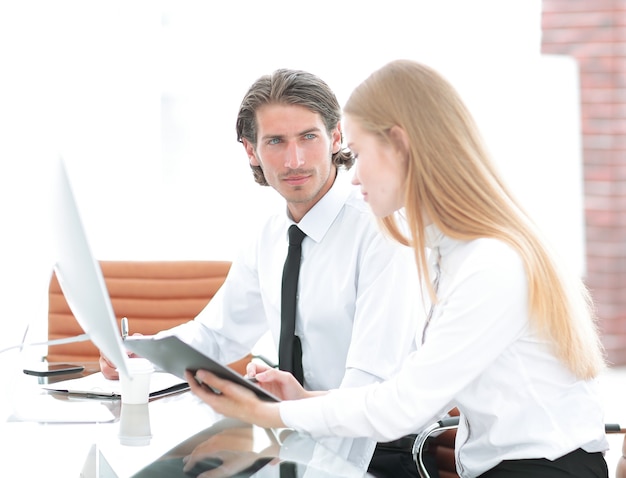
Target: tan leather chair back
[[154, 295]]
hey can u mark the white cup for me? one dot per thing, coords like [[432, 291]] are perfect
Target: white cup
[[136, 385]]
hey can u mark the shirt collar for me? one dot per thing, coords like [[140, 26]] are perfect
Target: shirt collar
[[433, 236], [317, 221], [436, 239]]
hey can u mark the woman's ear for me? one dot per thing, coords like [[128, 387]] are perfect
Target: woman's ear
[[249, 147], [399, 139]]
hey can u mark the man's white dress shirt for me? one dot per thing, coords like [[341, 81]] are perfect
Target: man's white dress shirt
[[357, 299]]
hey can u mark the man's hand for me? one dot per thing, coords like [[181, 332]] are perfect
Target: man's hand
[[108, 368], [278, 383]]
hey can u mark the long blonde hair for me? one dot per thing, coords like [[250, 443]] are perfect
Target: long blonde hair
[[452, 181]]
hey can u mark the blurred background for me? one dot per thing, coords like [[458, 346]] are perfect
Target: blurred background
[[140, 99]]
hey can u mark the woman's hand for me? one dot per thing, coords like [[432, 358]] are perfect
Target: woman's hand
[[233, 400]]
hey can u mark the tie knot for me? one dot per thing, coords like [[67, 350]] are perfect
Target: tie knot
[[295, 235]]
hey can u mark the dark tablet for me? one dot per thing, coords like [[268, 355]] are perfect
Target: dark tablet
[[172, 355]]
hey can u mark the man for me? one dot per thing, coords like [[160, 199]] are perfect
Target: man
[[357, 290]]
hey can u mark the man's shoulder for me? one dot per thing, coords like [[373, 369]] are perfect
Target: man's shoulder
[[356, 214], [356, 221], [356, 205]]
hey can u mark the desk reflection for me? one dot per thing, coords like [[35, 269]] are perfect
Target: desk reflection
[[174, 436], [135, 424], [233, 449]]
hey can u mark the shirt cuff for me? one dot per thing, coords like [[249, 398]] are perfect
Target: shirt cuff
[[305, 416]]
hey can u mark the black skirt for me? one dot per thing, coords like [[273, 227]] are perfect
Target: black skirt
[[578, 463]]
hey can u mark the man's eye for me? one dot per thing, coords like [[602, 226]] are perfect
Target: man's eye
[[273, 141], [310, 136]]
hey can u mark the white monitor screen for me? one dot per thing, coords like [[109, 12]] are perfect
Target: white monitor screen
[[80, 275]]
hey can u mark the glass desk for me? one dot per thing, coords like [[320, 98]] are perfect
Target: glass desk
[[173, 436]]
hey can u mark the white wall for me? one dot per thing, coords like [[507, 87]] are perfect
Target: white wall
[[140, 98]]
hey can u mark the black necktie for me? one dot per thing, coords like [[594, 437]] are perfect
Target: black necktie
[[288, 470], [290, 348]]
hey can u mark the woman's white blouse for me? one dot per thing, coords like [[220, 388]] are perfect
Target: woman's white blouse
[[480, 355]]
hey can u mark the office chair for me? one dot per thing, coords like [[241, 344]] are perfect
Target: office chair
[[154, 295], [443, 445]]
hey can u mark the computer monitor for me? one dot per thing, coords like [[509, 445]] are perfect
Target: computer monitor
[[80, 275]]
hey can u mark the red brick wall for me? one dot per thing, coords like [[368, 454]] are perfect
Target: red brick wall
[[594, 32]]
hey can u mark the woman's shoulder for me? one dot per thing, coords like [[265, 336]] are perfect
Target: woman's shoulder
[[490, 252], [494, 247], [495, 264]]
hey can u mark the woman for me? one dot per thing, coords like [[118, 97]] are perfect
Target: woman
[[509, 338]]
